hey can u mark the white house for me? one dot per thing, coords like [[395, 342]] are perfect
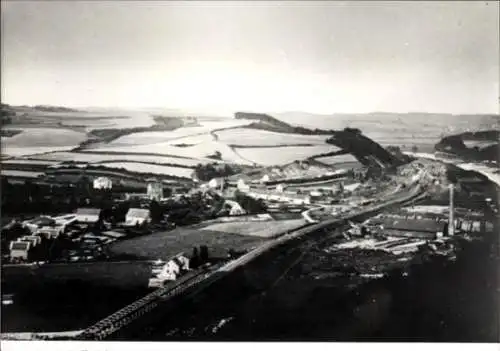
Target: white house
[[264, 178], [33, 239], [242, 186], [65, 221], [315, 194], [155, 190], [102, 183], [171, 270], [236, 208], [280, 188], [19, 250], [216, 183], [87, 214], [137, 216], [49, 232]]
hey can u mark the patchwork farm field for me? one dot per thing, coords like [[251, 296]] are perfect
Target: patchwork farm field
[[265, 229], [165, 244], [203, 130], [255, 137], [96, 158], [198, 151]]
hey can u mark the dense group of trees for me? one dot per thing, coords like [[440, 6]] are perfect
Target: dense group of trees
[[250, 204], [6, 114], [31, 197], [454, 144], [213, 170], [161, 124]]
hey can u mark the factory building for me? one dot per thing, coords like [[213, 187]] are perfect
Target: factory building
[[422, 228]]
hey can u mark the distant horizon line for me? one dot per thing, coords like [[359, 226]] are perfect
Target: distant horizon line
[[231, 111]]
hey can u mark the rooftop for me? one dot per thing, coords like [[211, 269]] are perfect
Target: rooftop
[[414, 225]]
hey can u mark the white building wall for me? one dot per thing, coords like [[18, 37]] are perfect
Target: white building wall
[[155, 191], [102, 183]]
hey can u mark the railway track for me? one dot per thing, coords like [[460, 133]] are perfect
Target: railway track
[[111, 324]]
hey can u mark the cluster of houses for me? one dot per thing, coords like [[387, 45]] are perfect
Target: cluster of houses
[[76, 226], [295, 194]]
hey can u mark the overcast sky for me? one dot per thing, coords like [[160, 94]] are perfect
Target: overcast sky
[[319, 57]]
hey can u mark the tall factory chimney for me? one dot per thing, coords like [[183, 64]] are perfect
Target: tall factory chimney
[[451, 219]]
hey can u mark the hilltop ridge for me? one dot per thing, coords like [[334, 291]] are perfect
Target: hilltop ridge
[[350, 140]]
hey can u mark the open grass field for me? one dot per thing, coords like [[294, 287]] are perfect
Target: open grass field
[[340, 160], [23, 174], [17, 161], [165, 244], [266, 229]]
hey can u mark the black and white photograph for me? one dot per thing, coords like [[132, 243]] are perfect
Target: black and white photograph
[[250, 171]]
